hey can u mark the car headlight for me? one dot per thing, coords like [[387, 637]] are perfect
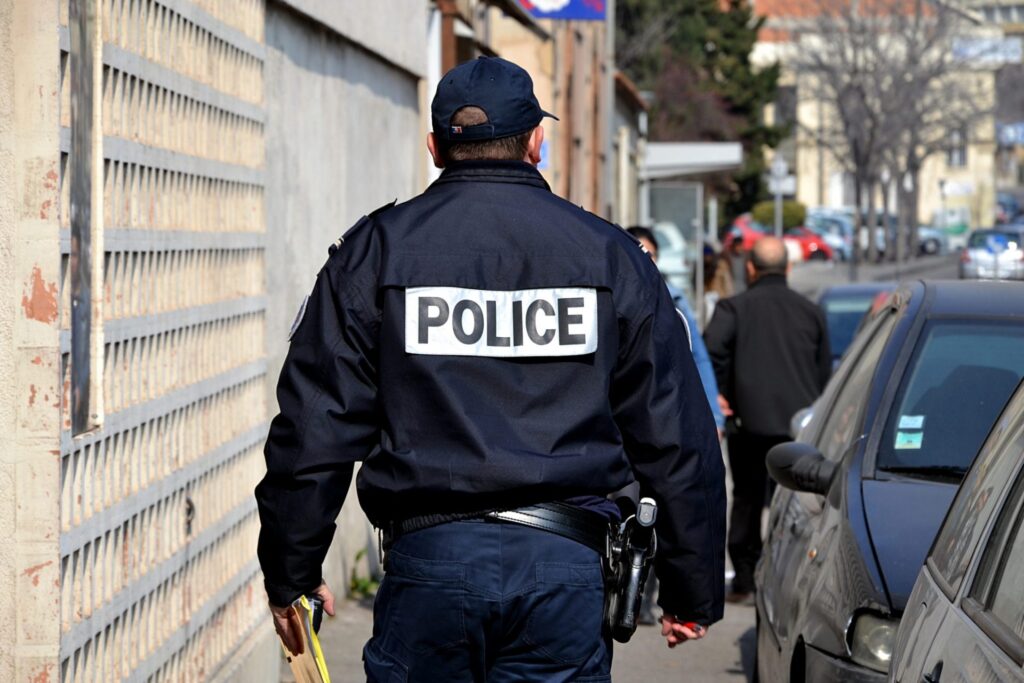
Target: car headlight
[[872, 641]]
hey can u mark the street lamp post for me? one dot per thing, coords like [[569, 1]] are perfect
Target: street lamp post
[[779, 171]]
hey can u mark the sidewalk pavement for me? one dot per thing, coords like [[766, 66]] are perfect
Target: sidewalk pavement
[[725, 655]]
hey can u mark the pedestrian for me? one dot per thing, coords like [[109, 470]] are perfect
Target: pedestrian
[[717, 280], [499, 360], [769, 346]]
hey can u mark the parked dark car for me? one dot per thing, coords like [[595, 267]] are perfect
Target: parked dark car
[[845, 306], [965, 617], [867, 484]]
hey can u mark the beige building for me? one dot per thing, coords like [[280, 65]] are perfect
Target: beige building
[[957, 185]]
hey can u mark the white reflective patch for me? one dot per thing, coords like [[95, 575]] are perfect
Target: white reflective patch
[[298, 317], [452, 321]]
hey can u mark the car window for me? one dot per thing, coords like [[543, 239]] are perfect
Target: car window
[[962, 374], [999, 585], [973, 507], [843, 425], [843, 315], [994, 240]]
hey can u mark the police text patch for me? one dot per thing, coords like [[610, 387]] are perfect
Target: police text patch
[[452, 321]]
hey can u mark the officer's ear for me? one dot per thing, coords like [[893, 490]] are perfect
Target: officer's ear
[[434, 153], [533, 148]]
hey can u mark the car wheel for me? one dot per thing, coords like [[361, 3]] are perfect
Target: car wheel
[[930, 247], [818, 255]]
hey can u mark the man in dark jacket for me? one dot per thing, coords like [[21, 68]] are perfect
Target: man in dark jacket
[[769, 346], [499, 360]]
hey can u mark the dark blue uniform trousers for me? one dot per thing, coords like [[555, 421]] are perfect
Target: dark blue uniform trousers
[[484, 601]]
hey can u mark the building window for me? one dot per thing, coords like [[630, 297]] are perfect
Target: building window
[[956, 155]]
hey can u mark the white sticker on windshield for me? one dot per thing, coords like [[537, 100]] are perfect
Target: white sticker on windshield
[[909, 440], [911, 422]]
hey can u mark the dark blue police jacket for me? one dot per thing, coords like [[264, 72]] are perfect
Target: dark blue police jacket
[[484, 346]]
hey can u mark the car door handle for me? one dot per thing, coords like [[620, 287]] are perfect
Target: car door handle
[[934, 676]]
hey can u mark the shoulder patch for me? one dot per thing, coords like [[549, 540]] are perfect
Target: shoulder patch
[[360, 223]]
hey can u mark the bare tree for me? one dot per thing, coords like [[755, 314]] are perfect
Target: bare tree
[[887, 73]]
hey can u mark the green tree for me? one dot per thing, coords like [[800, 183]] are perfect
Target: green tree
[[695, 56]]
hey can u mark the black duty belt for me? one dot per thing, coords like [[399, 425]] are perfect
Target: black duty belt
[[568, 521]]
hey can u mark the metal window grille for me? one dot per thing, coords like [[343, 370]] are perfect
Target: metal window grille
[[158, 579]]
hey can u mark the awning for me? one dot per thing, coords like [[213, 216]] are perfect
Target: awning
[[679, 159]]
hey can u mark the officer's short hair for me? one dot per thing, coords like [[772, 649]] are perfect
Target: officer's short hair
[[512, 148]]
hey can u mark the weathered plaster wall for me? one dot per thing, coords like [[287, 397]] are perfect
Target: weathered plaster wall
[[394, 30], [30, 392], [343, 137]]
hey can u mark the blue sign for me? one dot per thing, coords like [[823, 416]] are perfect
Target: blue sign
[[545, 161], [1011, 134], [586, 10]]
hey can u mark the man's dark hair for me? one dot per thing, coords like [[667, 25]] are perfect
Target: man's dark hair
[[642, 233], [769, 256], [512, 148]]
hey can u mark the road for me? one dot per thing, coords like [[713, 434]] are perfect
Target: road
[[727, 653], [811, 277]]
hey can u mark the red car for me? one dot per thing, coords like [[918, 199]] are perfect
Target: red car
[[811, 244], [745, 228]]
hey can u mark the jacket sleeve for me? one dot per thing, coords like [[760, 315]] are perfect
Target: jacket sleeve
[[720, 341], [704, 367], [669, 436], [327, 398]]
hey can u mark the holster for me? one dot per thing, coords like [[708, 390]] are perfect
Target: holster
[[631, 550]]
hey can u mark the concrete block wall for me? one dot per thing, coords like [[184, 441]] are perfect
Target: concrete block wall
[[30, 393]]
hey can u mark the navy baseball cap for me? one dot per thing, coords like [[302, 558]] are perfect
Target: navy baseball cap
[[503, 90]]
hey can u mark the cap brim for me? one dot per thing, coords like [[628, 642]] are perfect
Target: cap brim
[[548, 115]]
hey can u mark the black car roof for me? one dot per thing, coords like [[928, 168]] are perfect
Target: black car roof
[[974, 298]]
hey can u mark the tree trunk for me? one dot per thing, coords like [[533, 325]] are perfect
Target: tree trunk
[[891, 236], [872, 224], [858, 193], [901, 223], [914, 240]]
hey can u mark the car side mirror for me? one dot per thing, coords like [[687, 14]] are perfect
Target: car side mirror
[[800, 467]]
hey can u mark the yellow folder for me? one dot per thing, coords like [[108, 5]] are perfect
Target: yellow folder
[[309, 667]]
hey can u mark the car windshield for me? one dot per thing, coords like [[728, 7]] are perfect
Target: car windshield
[[843, 315], [961, 376], [994, 240]]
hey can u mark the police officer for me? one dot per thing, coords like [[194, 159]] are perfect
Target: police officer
[[499, 360]]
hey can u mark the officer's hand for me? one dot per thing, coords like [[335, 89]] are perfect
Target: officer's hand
[[676, 631], [288, 624], [724, 406], [289, 628]]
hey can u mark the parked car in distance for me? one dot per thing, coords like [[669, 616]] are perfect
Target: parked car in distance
[[931, 241], [813, 246], [745, 229], [868, 482], [801, 244], [965, 616], [836, 233], [994, 254], [845, 307]]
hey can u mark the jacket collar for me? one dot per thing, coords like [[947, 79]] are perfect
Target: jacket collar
[[516, 172], [770, 280]]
